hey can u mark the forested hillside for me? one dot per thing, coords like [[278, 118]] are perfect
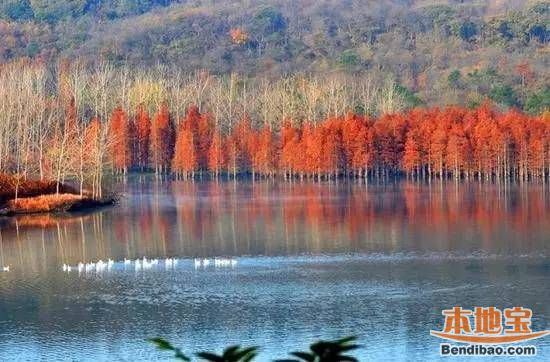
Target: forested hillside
[[436, 52]]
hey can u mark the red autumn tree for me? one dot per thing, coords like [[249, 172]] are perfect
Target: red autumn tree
[[216, 154], [162, 140], [483, 147], [313, 139], [93, 155], [300, 157], [411, 156], [384, 146], [427, 126], [436, 142], [265, 159], [244, 139], [458, 151], [238, 36], [185, 161], [203, 138], [201, 127], [333, 156], [119, 136], [290, 140], [354, 147], [538, 147], [364, 155]]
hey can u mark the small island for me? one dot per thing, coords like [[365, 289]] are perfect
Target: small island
[[18, 196]]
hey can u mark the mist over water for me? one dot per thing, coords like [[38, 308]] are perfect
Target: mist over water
[[314, 261]]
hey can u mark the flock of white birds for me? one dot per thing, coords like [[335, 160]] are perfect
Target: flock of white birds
[[141, 264], [145, 264]]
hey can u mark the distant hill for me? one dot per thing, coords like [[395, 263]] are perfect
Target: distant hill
[[454, 51]]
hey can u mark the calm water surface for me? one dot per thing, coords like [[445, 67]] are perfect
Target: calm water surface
[[314, 261]]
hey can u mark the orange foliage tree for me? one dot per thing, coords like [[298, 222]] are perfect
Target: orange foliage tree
[[265, 155], [411, 157], [119, 134], [93, 160], [216, 154], [238, 36], [443, 143], [185, 161], [289, 146], [162, 140]]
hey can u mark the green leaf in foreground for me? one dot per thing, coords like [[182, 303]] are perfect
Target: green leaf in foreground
[[327, 351], [164, 345], [231, 354]]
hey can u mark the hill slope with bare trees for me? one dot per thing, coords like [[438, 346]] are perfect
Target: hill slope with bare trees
[[439, 52]]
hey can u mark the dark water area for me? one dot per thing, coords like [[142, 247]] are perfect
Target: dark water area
[[315, 260]]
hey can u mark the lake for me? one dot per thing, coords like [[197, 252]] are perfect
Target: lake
[[314, 260]]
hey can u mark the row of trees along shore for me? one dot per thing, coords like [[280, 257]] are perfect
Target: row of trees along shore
[[73, 123], [421, 143]]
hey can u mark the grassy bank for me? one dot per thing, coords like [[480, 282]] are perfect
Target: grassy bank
[[54, 203], [19, 196], [10, 185]]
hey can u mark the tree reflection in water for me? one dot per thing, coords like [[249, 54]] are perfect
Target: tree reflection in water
[[197, 219]]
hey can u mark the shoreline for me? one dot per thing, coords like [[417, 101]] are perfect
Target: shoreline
[[38, 197], [54, 203]]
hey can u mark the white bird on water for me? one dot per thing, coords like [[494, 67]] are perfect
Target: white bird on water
[[218, 262], [127, 261], [100, 265], [224, 262], [80, 267], [6, 268], [147, 264], [168, 262]]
